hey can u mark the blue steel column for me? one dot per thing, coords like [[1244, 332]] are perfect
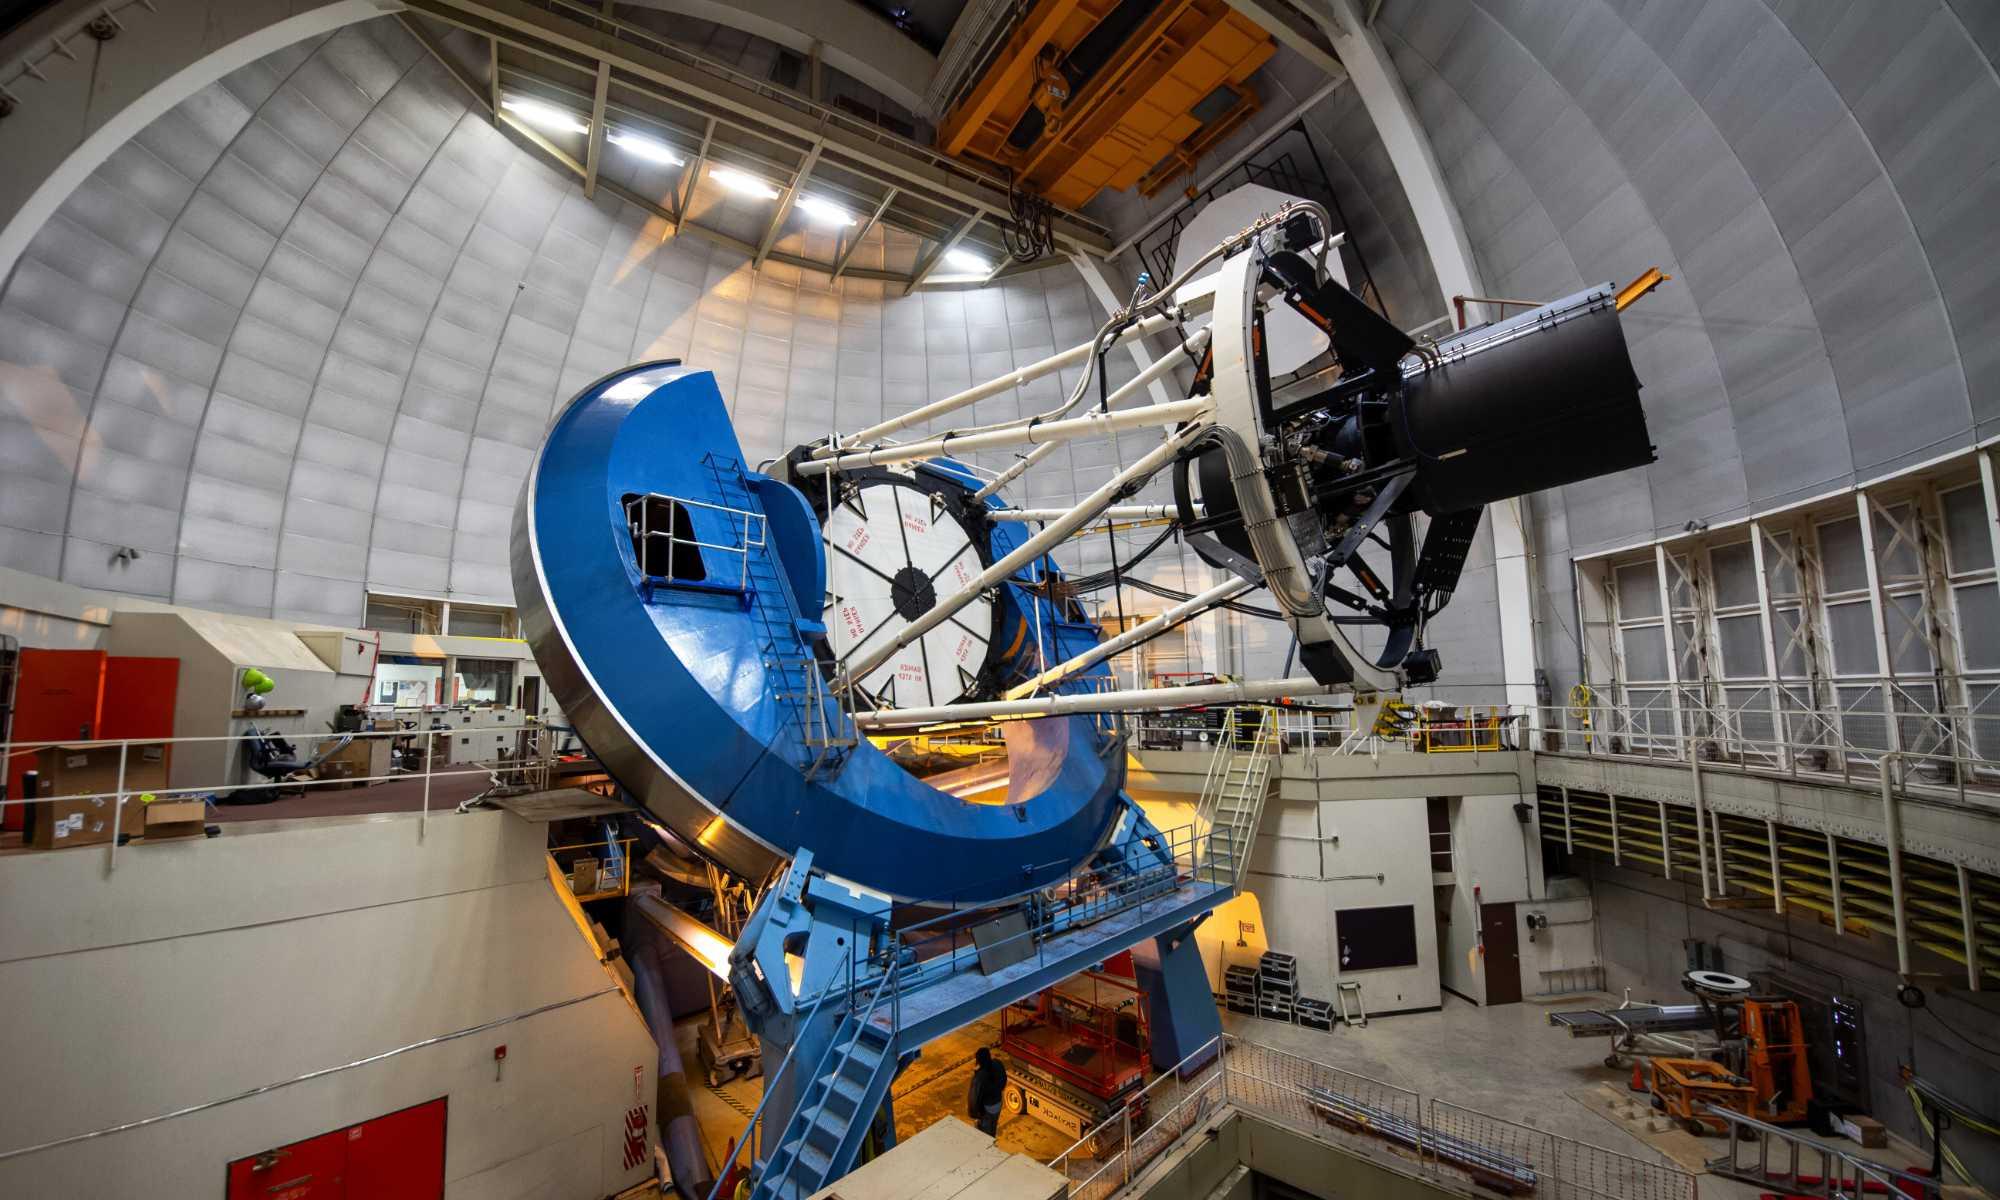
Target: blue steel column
[[1180, 1009]]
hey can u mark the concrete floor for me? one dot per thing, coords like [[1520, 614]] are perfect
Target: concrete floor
[[933, 1088], [1505, 1061]]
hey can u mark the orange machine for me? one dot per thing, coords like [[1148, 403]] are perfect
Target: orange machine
[[1771, 1079], [1682, 1087], [1774, 1057], [1087, 94]]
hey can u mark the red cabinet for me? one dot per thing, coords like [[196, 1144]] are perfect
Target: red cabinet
[[85, 695], [395, 1157], [58, 698]]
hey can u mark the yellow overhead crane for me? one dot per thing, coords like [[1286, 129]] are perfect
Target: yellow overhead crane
[[1088, 94]]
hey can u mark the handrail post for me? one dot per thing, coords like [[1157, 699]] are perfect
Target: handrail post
[[1126, 1121], [118, 808], [430, 753]]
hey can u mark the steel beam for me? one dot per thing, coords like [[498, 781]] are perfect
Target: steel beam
[[593, 152], [841, 260], [1279, 19], [905, 164], [1878, 607], [993, 387], [1132, 700], [1050, 536], [1047, 431], [1187, 609], [1969, 923], [691, 174], [788, 198], [943, 248], [1117, 512], [493, 78], [488, 99]]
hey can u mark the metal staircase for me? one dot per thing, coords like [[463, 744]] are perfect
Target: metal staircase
[[826, 733], [1233, 794], [823, 1137]]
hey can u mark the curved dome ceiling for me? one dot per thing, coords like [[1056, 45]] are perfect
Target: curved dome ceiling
[[1819, 177], [297, 339]]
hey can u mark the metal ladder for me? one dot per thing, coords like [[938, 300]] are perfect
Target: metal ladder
[[1233, 794], [1842, 1175], [821, 1140], [826, 733]]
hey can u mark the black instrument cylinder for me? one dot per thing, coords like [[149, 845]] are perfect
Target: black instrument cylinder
[[1554, 403]]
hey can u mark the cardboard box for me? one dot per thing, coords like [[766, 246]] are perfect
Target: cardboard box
[[58, 824], [1866, 1130], [175, 818], [362, 758], [91, 771]]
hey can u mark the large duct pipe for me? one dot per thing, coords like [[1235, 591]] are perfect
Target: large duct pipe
[[645, 949]]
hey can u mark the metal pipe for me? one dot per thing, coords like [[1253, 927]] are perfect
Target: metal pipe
[[1020, 467], [1134, 700], [1700, 826], [1051, 535], [1145, 379], [1117, 512], [1047, 431], [993, 387], [1234, 586], [1892, 832]]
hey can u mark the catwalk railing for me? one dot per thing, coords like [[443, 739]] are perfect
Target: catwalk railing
[[528, 768], [1950, 754], [1392, 1127]]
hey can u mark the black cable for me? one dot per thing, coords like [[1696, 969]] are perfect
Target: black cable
[[1982, 1048]]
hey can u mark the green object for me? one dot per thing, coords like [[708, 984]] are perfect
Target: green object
[[258, 682]]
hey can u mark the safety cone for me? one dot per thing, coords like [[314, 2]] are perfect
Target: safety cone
[[1638, 1083]]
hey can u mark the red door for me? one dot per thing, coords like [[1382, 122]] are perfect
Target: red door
[[395, 1157], [139, 695], [56, 699]]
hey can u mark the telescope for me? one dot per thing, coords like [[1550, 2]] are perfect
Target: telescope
[[1295, 481]]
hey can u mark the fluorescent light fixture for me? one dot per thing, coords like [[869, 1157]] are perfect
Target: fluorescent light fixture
[[546, 116], [966, 260], [738, 181], [823, 211], [638, 145]]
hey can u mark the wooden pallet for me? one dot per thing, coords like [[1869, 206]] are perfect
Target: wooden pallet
[[1634, 1113]]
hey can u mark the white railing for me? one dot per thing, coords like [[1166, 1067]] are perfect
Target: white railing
[[529, 769], [1423, 1138], [1950, 754], [639, 511]]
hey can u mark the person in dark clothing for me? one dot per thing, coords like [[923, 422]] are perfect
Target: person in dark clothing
[[989, 1084]]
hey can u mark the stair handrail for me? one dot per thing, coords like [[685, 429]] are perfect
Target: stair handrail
[[1892, 1179], [819, 1070], [1218, 770], [770, 1089]]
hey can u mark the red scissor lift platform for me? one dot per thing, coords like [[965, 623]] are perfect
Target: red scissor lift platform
[[1076, 1052]]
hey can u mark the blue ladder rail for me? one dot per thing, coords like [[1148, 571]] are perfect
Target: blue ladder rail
[[821, 1141], [824, 739]]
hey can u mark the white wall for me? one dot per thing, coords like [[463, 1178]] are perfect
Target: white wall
[[1495, 860], [200, 969], [1315, 857]]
